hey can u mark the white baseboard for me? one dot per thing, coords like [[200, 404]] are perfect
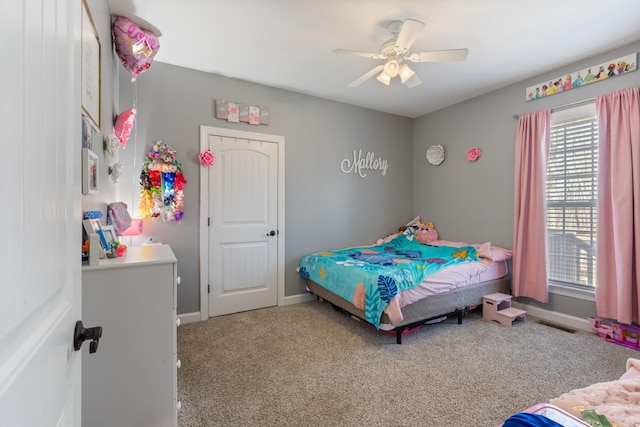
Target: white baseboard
[[189, 317], [295, 299], [555, 317]]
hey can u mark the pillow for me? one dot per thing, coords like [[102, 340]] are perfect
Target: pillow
[[426, 234], [484, 251], [501, 254], [497, 253], [415, 222]]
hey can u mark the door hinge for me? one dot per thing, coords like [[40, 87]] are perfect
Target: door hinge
[[208, 222], [208, 289]]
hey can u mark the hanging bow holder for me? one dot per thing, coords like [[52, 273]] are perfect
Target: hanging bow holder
[[162, 183]]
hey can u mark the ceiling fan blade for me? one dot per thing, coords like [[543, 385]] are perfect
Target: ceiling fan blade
[[439, 55], [408, 34], [366, 76], [413, 81], [358, 53]]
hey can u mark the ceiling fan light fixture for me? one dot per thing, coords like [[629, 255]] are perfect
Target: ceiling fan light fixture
[[413, 81], [384, 78], [396, 51], [391, 68], [405, 73]]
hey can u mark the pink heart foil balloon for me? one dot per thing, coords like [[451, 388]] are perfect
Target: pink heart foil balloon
[[124, 123], [135, 46]]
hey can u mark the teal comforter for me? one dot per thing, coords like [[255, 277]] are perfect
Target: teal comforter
[[370, 276]]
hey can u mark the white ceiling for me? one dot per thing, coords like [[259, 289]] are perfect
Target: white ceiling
[[288, 44]]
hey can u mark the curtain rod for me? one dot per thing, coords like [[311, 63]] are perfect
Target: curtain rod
[[565, 106]]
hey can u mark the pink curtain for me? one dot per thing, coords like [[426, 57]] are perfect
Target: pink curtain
[[529, 275], [618, 244]]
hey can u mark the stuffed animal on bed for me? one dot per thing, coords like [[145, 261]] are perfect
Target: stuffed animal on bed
[[426, 234]]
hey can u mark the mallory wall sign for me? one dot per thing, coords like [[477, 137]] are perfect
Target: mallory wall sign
[[359, 164]]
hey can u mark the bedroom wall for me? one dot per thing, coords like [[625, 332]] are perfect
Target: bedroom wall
[[324, 208], [474, 201], [107, 190], [466, 201]]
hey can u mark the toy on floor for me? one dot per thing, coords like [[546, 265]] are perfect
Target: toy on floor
[[619, 333]]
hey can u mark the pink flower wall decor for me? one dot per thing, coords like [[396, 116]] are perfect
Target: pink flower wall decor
[[473, 154], [207, 158]]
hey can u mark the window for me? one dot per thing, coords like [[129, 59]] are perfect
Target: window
[[571, 191]]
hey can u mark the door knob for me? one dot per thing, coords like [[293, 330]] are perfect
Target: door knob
[[81, 334], [271, 233]]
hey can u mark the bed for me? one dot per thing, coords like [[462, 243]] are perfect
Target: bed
[[618, 401], [401, 283]]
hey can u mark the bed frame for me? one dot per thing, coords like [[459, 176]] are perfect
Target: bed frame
[[457, 301]]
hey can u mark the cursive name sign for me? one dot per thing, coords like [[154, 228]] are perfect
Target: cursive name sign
[[360, 164]]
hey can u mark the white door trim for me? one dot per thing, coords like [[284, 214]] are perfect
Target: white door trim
[[204, 210]]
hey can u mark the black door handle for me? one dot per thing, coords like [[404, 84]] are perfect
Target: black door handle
[[272, 233], [81, 334]]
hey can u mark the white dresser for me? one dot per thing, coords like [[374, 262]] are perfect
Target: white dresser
[[131, 380]]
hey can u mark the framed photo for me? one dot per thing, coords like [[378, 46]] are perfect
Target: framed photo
[[89, 172], [108, 240], [91, 67], [91, 137], [87, 131], [91, 226]]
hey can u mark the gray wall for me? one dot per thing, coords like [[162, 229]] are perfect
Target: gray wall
[[324, 208], [474, 201]]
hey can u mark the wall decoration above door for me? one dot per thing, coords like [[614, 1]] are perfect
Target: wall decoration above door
[[241, 112]]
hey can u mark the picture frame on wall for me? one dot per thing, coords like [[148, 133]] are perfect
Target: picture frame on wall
[[87, 132], [89, 172], [91, 137], [91, 67]]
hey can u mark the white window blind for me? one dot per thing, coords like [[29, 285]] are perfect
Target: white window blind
[[571, 192]]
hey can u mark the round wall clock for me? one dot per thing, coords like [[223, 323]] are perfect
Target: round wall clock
[[435, 154]]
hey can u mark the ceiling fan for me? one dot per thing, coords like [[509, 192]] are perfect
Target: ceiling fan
[[397, 50]]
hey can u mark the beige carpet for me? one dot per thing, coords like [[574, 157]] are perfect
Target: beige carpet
[[309, 365]]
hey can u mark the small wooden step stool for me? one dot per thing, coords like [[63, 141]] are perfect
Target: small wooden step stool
[[498, 307]]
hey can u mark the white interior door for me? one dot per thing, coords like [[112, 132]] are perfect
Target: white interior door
[[243, 234], [40, 290]]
